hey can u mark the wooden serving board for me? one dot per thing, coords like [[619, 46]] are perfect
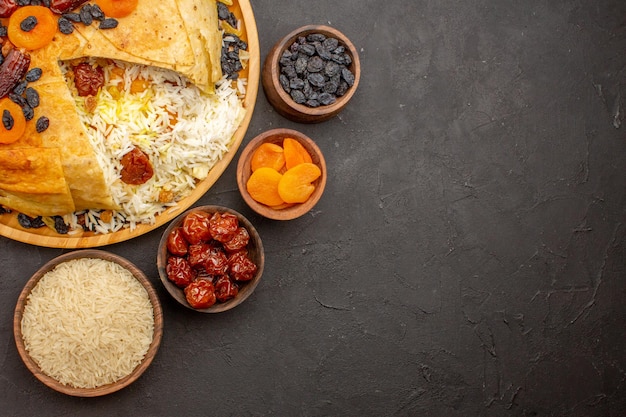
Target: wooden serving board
[[10, 228]]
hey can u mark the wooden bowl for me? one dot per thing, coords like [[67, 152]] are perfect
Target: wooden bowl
[[103, 389], [282, 101], [255, 253], [244, 171]]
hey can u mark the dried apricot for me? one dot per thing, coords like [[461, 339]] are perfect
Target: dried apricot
[[296, 186], [263, 186], [295, 153], [32, 27], [268, 155], [117, 8], [13, 121]]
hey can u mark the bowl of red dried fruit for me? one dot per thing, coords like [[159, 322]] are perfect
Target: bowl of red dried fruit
[[311, 73], [210, 259]]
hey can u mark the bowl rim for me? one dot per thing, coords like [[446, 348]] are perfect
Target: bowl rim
[[284, 43], [243, 173], [49, 381], [177, 293]]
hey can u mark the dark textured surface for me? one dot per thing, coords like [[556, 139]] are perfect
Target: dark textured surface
[[467, 259]]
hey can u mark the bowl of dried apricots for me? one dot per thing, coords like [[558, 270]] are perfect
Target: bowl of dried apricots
[[281, 174]]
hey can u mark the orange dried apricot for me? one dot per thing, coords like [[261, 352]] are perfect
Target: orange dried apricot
[[117, 8], [41, 24], [14, 119], [296, 186], [295, 153], [268, 155], [263, 186]]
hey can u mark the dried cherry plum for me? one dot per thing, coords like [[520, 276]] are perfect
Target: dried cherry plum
[[223, 226], [196, 228], [179, 271]]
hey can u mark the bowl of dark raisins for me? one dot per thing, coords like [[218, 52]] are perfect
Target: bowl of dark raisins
[[210, 259], [310, 75]]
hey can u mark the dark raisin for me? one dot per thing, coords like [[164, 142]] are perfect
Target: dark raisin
[[85, 15], [338, 58], [331, 69], [65, 26], [331, 87], [20, 87], [330, 44], [4, 31], [301, 64], [284, 82], [222, 11], [42, 124], [296, 84], [17, 99], [339, 50], [108, 23], [72, 17], [316, 37], [28, 24], [341, 89], [22, 2], [96, 12], [322, 51], [315, 64], [60, 226], [28, 111], [33, 75], [5, 210], [316, 79], [312, 103], [307, 49], [348, 76], [298, 96], [326, 99], [7, 120], [32, 97], [36, 2], [46, 3], [37, 222], [289, 71]]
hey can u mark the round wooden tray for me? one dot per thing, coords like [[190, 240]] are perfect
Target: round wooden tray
[[10, 228]]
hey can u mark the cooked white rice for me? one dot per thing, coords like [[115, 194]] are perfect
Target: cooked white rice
[[183, 131], [88, 323]]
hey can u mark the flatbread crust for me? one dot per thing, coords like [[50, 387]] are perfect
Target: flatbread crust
[[32, 181], [181, 35]]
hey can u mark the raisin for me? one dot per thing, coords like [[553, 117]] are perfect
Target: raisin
[[348, 76], [284, 82], [316, 37], [316, 79], [60, 226], [72, 17], [28, 111], [7, 120], [301, 64], [296, 84], [85, 15], [33, 75], [96, 12], [17, 99], [108, 23], [28, 24], [315, 64], [20, 87], [32, 97], [22, 2], [330, 44], [4, 31], [65, 26], [42, 124], [327, 99], [298, 96]]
